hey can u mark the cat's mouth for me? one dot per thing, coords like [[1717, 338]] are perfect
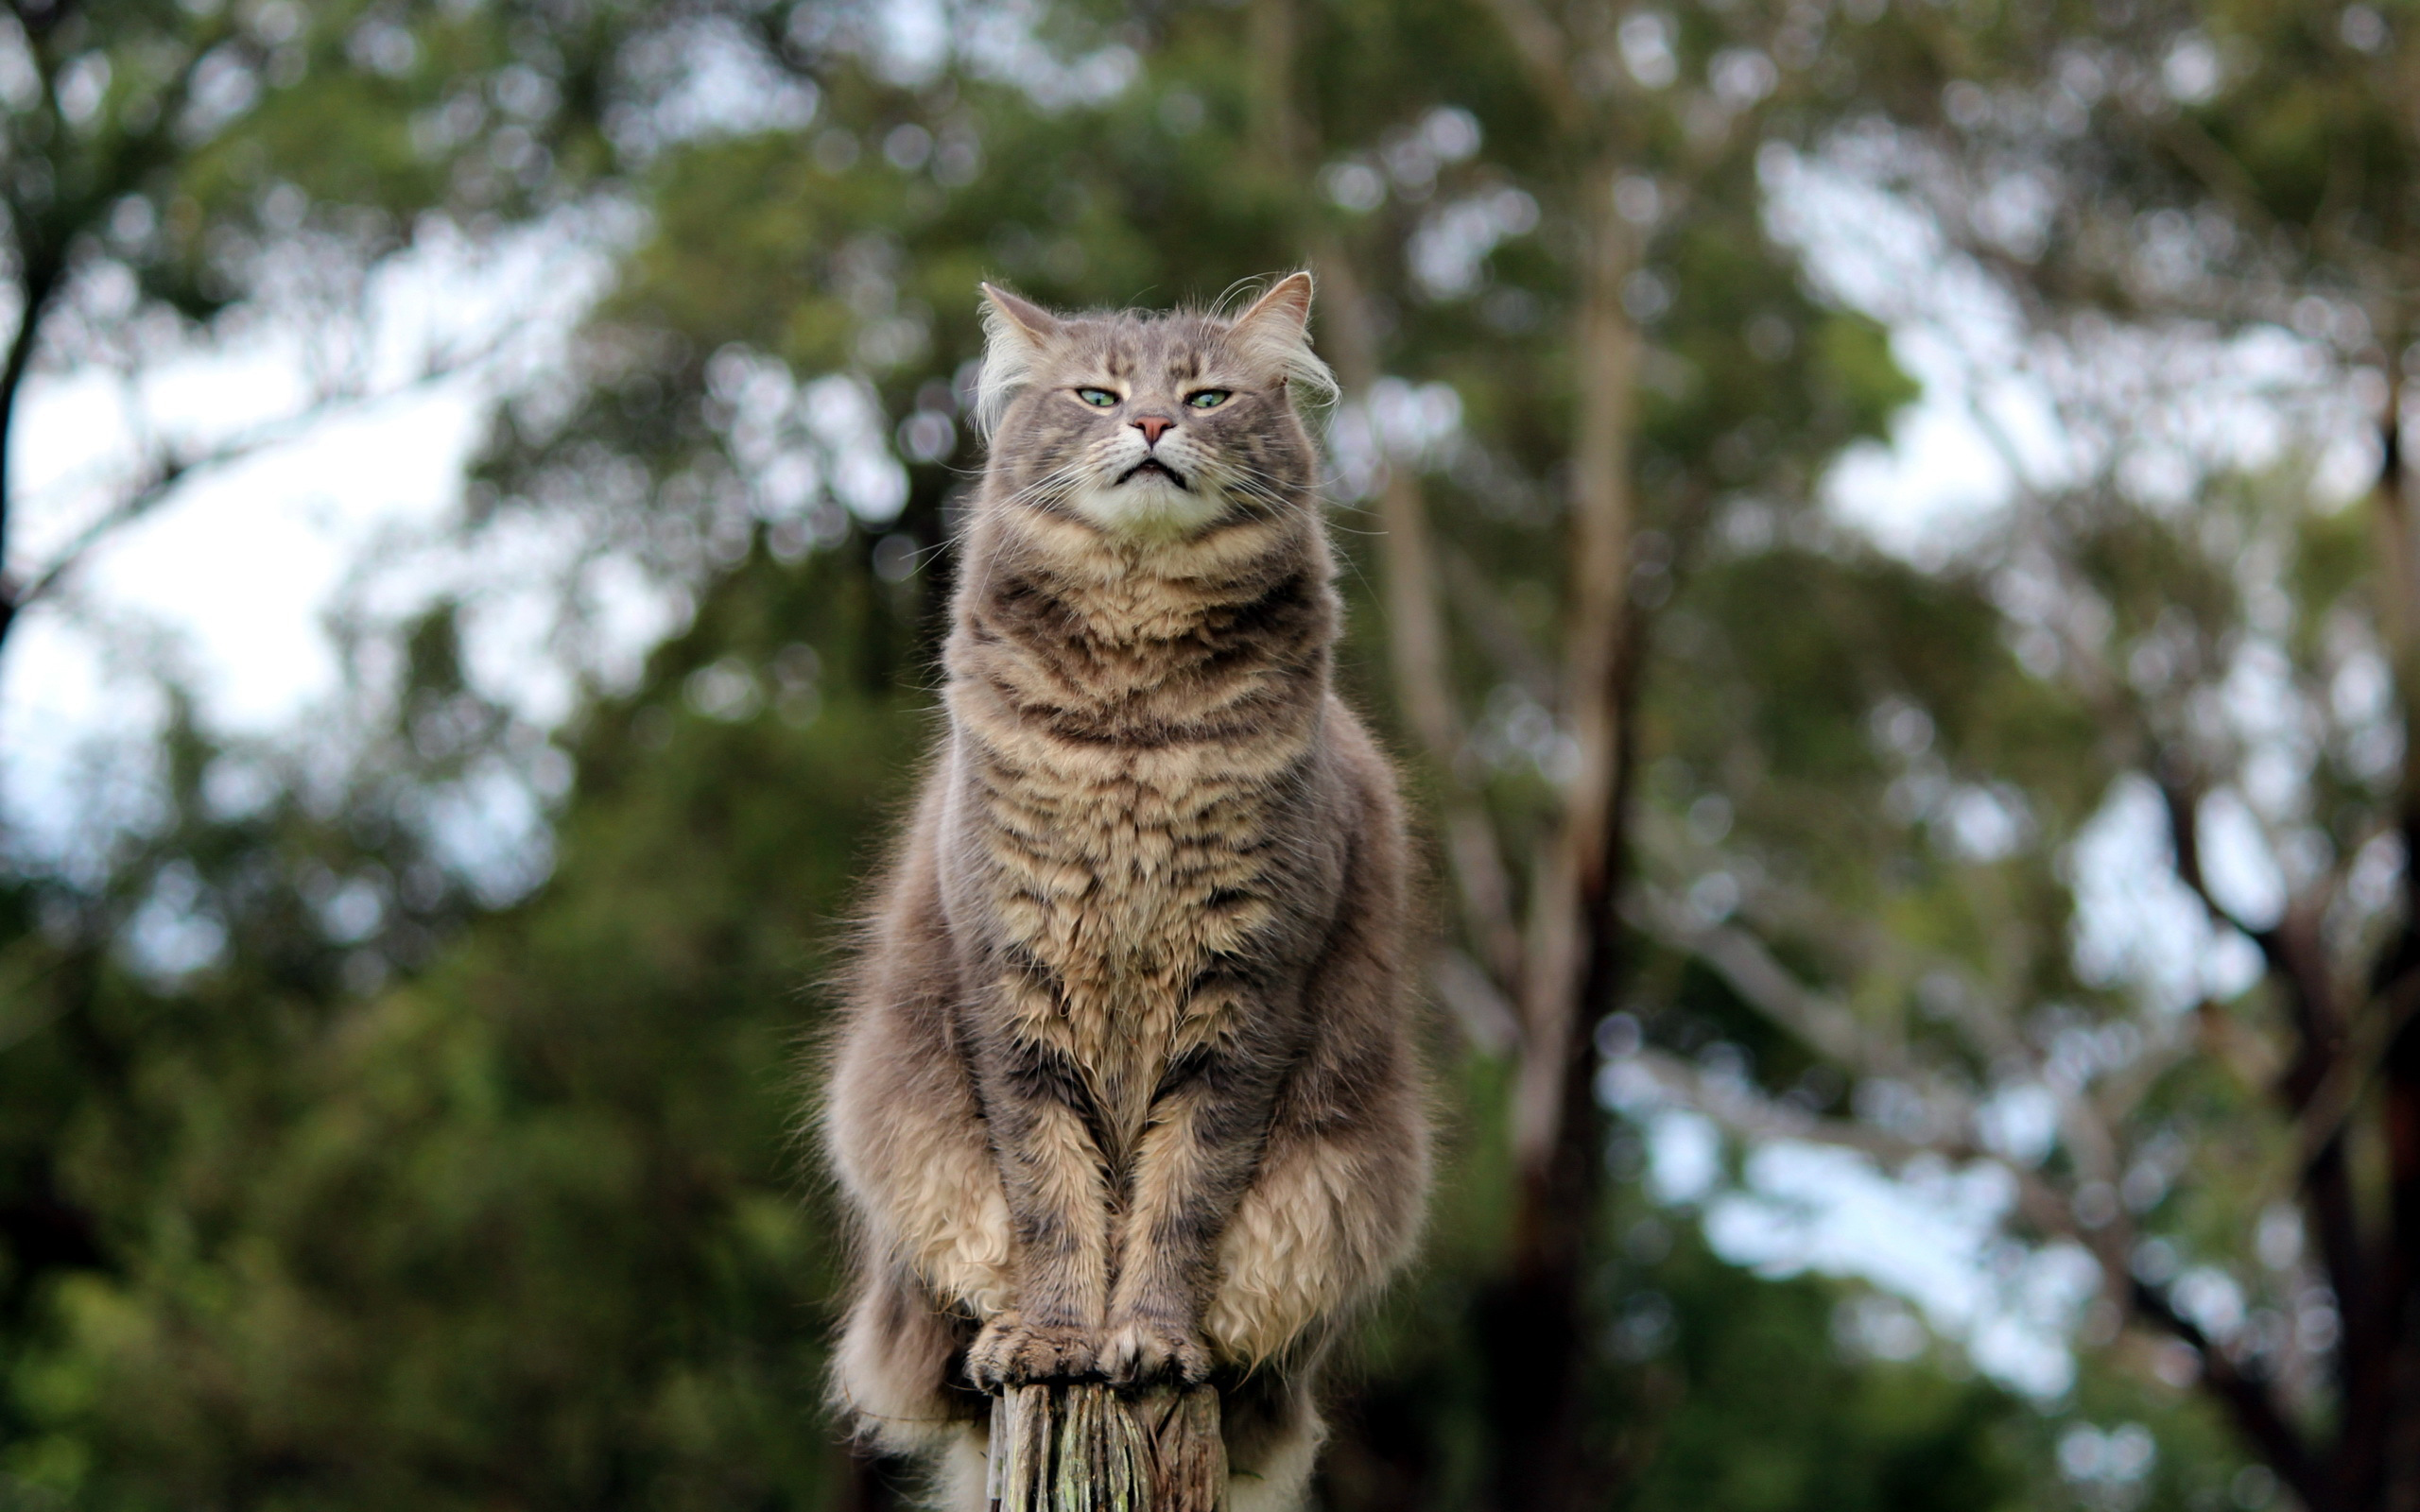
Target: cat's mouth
[[1152, 466]]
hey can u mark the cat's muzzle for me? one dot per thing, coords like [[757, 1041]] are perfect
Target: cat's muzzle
[[1152, 465]]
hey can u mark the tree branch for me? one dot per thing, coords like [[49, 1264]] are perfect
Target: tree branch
[[2247, 1401], [42, 248], [2250, 1402], [1748, 968], [1478, 1005], [2182, 807], [1754, 1117], [1573, 907], [44, 272], [170, 469], [1492, 623]]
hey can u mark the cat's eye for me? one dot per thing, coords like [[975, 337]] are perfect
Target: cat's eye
[[1097, 398], [1207, 398]]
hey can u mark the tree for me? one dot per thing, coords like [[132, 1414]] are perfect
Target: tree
[[2170, 630]]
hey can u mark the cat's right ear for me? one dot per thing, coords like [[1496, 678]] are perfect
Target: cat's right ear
[[1022, 315], [1015, 332]]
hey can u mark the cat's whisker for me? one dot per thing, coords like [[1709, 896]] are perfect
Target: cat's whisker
[[1245, 470], [1065, 471]]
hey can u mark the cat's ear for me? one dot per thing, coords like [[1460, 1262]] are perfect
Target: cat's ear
[[1286, 308], [1021, 316], [1014, 332], [1275, 332]]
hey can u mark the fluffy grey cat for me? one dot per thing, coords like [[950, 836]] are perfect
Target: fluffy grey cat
[[1126, 1087]]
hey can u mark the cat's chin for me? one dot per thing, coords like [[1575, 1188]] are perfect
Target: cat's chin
[[1149, 508]]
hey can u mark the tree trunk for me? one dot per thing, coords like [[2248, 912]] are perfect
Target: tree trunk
[[44, 268], [1537, 1337], [2392, 1463], [1559, 964]]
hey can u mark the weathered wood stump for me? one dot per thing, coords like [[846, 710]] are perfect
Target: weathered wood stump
[[1089, 1448]]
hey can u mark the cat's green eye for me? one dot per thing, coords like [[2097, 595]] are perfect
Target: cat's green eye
[[1207, 398], [1097, 398]]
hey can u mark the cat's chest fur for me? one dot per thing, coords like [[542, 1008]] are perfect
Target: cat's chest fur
[[1129, 803]]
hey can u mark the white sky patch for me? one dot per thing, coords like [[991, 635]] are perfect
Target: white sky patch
[[1930, 1235], [2004, 413], [1941, 482], [1452, 244], [514, 585], [242, 561], [1001, 42], [1397, 423], [912, 39], [2019, 1121], [714, 80], [2237, 862], [1684, 1156], [2135, 924], [230, 580]]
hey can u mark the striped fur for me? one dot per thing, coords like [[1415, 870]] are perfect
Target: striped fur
[[1126, 1085]]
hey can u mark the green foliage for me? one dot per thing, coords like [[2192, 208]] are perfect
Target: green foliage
[[529, 1225], [1755, 1410], [182, 142], [398, 1200]]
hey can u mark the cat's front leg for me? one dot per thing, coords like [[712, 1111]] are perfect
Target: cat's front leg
[[1059, 1202], [1194, 1162], [1336, 1197]]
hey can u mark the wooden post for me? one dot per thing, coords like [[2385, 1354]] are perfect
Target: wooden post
[[1088, 1448]]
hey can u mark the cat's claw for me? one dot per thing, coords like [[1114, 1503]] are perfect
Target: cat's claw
[[1013, 1352], [1140, 1353]]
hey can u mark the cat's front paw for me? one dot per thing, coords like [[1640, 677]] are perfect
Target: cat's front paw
[[1142, 1352], [1013, 1352]]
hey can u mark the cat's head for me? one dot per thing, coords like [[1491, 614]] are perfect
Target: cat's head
[[1152, 426]]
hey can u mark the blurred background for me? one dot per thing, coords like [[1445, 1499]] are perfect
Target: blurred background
[[1876, 530]]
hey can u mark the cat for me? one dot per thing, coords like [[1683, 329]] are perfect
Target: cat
[[1126, 1084]]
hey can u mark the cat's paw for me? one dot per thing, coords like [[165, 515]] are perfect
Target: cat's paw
[[1013, 1352], [1141, 1352]]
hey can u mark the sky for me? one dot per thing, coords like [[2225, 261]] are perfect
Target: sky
[[232, 581]]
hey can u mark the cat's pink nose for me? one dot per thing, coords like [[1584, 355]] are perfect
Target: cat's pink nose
[[1153, 428]]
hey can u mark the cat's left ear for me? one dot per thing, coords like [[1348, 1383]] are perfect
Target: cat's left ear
[[1276, 330]]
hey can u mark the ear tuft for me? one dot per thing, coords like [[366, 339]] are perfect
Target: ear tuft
[[1014, 332], [1275, 329]]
